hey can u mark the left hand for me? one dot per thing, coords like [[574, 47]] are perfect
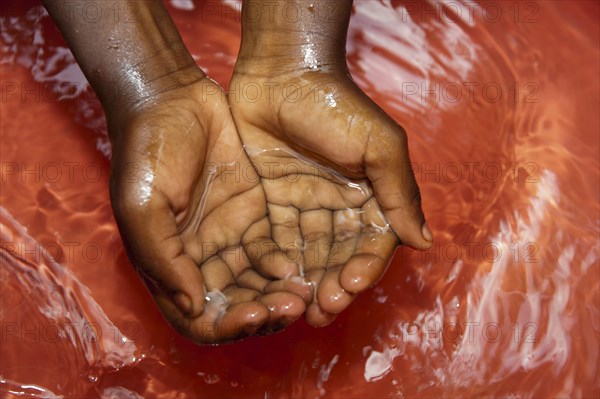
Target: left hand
[[335, 170]]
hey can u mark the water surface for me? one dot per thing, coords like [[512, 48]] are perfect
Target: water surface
[[500, 101]]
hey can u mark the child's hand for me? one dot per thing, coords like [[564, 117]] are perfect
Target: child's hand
[[186, 212], [339, 173]]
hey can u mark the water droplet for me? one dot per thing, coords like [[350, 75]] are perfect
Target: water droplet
[[211, 379]]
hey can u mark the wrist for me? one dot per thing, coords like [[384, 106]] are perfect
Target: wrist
[[269, 57], [287, 36], [136, 85], [127, 60], [143, 89]]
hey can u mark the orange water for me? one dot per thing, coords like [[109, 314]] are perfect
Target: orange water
[[501, 106]]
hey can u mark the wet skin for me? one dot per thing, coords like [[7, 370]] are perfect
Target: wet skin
[[243, 215], [184, 217], [342, 190], [336, 176]]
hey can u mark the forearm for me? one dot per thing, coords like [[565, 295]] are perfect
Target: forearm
[[300, 34], [126, 56]]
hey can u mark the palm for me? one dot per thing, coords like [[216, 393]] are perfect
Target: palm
[[330, 226], [320, 161], [187, 202]]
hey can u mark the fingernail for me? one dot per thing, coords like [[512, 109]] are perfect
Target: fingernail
[[427, 234], [183, 301]]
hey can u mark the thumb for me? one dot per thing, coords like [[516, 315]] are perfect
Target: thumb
[[388, 167], [153, 245]]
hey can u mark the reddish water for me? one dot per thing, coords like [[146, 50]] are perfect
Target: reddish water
[[501, 106]]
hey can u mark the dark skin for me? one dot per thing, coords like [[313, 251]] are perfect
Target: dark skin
[[241, 217]]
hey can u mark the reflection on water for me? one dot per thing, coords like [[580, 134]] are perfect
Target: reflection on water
[[500, 101]]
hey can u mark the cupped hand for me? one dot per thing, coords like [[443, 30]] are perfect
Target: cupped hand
[[190, 208], [337, 179]]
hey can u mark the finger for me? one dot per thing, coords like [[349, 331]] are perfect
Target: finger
[[284, 308], [314, 277], [216, 274], [252, 280], [388, 167], [312, 192], [265, 254], [237, 295], [206, 236], [332, 298], [317, 233], [294, 285], [285, 225], [238, 321], [346, 229], [219, 322], [317, 317], [362, 271], [374, 248], [149, 231]]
